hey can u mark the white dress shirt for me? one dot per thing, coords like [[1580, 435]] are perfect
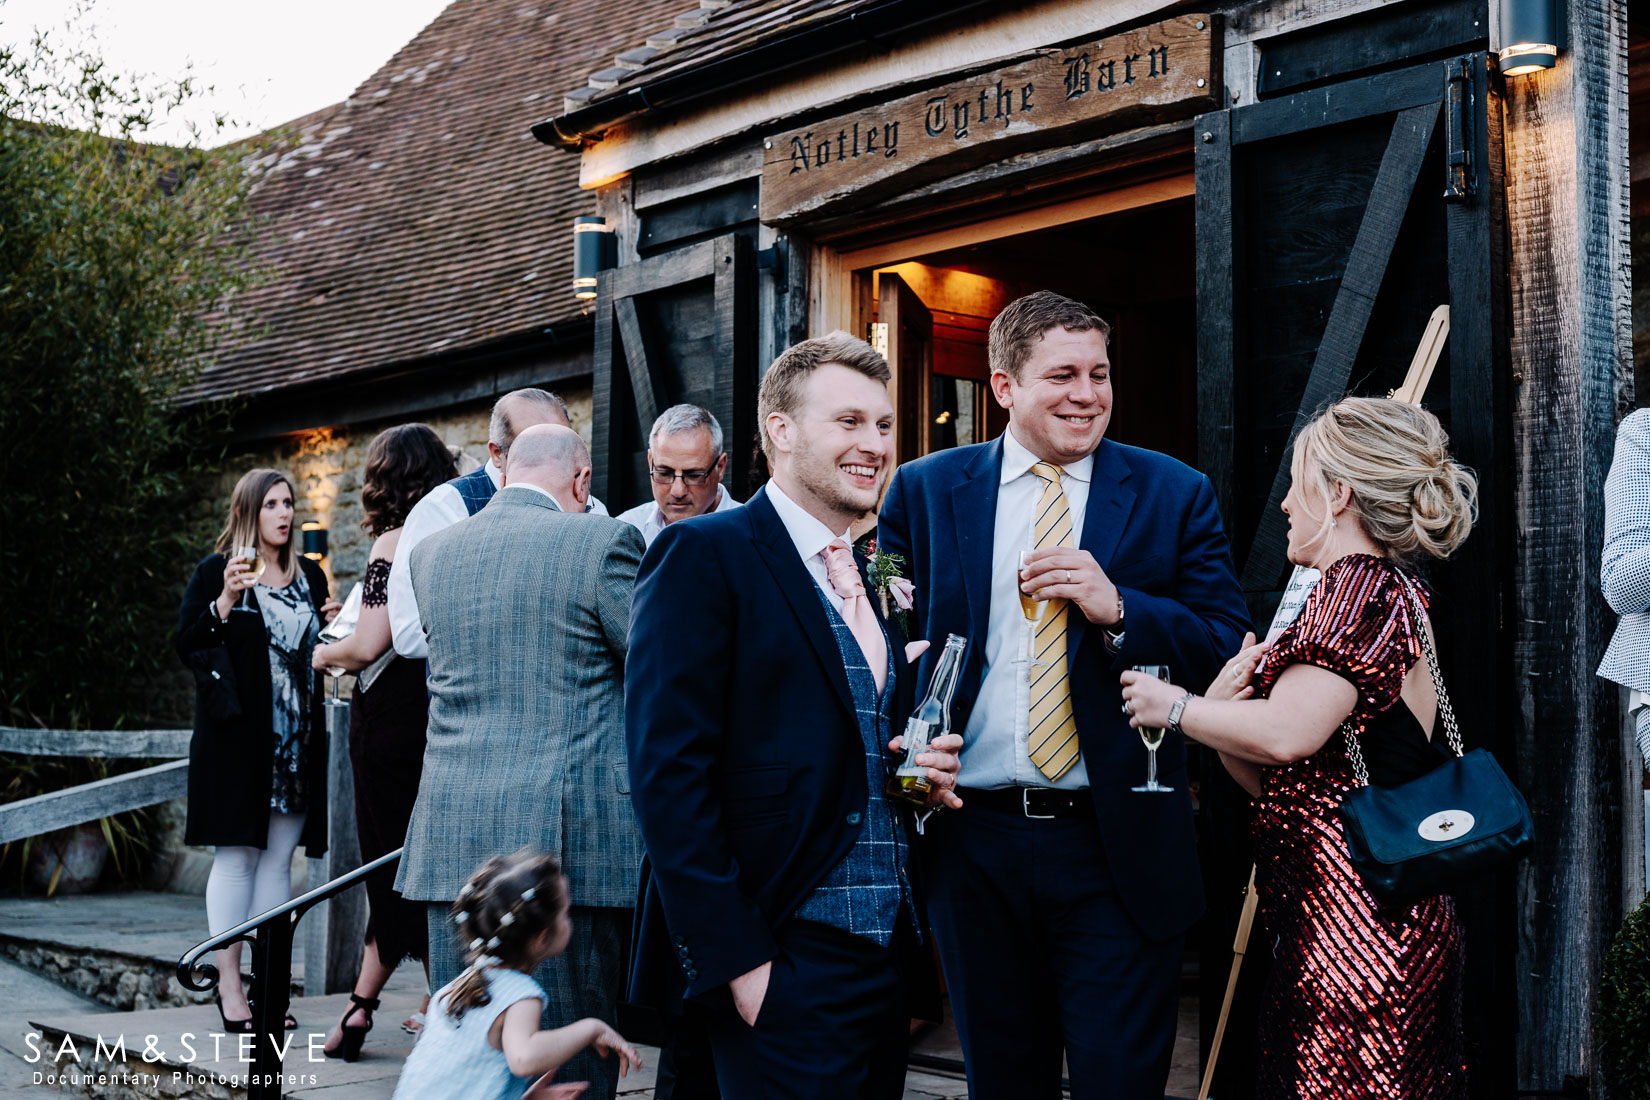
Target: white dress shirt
[[649, 520], [439, 509], [995, 752], [811, 538]]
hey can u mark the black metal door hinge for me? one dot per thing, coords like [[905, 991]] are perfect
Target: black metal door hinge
[[1459, 97]]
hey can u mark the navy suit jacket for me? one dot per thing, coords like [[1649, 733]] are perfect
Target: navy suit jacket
[[747, 769], [1152, 524]]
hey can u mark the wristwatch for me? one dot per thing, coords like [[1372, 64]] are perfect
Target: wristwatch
[[1114, 632], [1178, 709]]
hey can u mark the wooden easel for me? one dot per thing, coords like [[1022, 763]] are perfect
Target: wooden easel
[[1414, 387]]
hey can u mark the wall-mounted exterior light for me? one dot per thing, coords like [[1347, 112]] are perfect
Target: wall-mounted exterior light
[[590, 254], [1530, 30], [315, 541]]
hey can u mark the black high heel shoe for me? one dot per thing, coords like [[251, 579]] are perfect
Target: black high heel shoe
[[231, 1027], [349, 1046]]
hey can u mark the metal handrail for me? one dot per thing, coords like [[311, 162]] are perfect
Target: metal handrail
[[271, 937]]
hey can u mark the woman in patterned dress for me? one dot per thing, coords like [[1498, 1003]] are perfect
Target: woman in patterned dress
[[1364, 1001], [257, 760], [388, 712]]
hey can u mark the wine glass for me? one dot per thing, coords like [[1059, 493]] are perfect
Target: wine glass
[[255, 567], [1153, 737]]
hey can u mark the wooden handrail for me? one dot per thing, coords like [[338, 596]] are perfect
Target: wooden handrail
[[90, 801], [111, 744]]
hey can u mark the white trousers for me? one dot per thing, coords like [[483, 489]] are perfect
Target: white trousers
[[247, 881]]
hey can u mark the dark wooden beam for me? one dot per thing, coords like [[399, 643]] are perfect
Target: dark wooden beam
[[1378, 94], [1343, 49], [606, 438], [735, 367], [1267, 560], [1567, 190], [1216, 293], [1476, 609], [644, 388]]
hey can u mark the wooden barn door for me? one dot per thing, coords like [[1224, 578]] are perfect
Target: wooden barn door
[[677, 327], [1330, 224]]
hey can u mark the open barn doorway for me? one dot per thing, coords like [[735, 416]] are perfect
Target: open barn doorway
[[929, 314], [1136, 268]]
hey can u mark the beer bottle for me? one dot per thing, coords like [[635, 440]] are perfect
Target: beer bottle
[[910, 782]]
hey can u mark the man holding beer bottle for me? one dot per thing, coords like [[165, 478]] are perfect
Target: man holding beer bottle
[[763, 689], [1060, 897]]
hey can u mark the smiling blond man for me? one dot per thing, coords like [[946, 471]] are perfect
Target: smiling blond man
[[1060, 895]]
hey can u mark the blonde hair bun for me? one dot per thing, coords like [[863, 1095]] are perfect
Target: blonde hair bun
[[1412, 498]]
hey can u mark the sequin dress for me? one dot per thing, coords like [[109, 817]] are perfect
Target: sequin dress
[[1362, 1001]]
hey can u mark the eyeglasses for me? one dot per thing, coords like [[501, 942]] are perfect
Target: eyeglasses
[[666, 476]]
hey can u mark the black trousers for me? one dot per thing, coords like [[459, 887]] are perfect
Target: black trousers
[[834, 1024], [687, 1069], [1041, 960]]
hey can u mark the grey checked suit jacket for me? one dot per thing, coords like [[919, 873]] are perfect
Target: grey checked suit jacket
[[526, 609], [1625, 575]]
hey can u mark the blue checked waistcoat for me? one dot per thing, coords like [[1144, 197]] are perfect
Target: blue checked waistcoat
[[475, 487], [868, 891]]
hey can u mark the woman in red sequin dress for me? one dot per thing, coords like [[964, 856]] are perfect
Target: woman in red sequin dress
[[1363, 1001]]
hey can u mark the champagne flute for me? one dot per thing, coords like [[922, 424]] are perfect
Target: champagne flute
[[1153, 737], [254, 567]]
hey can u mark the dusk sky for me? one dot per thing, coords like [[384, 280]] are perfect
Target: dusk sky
[[268, 63]]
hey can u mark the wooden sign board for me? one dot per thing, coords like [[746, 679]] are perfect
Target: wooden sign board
[[1152, 74]]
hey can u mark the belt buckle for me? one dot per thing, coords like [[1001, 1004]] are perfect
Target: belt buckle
[[1025, 805]]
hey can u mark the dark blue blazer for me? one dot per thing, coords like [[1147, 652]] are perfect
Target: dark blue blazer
[[1152, 524], [747, 771]]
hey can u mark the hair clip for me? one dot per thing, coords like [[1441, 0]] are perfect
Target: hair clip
[[507, 920], [492, 942], [529, 894], [475, 944], [469, 889], [463, 915]]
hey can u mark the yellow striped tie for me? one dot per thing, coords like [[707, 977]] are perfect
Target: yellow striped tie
[[1053, 730]]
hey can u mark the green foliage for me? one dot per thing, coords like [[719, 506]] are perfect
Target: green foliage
[[118, 261], [1622, 1015]]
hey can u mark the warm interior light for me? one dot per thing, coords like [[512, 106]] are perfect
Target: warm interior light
[[943, 418], [1528, 57], [1530, 30], [315, 540], [590, 236]]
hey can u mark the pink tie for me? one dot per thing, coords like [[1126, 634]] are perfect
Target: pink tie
[[856, 609]]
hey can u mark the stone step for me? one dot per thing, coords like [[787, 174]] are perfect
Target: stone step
[[120, 949]]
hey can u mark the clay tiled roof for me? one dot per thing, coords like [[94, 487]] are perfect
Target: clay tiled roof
[[714, 29], [419, 217]]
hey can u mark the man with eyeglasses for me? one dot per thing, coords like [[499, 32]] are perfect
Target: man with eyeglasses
[[685, 462]]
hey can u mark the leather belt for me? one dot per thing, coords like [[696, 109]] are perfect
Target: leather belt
[[1037, 803]]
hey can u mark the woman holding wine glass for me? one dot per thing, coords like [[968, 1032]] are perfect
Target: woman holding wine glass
[[388, 712], [257, 761], [1363, 1001]]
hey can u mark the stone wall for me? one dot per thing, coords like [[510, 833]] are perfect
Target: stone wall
[[326, 466]]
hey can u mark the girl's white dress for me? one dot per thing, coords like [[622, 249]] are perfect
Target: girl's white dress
[[452, 1059]]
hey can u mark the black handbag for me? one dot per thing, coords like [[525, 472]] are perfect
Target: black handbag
[[1430, 835]]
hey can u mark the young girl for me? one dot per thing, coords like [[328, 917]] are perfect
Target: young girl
[[482, 1039]]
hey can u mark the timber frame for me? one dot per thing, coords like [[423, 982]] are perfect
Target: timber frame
[[1523, 184]]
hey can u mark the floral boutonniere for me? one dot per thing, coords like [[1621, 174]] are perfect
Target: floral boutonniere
[[894, 592]]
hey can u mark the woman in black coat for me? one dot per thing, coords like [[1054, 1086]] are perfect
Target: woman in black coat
[[257, 761]]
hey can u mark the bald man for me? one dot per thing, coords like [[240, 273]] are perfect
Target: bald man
[[553, 460], [513, 415], [526, 606]]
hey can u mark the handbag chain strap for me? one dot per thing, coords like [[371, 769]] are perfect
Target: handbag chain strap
[[1452, 731]]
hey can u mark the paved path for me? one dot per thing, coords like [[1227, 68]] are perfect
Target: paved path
[[24, 994]]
